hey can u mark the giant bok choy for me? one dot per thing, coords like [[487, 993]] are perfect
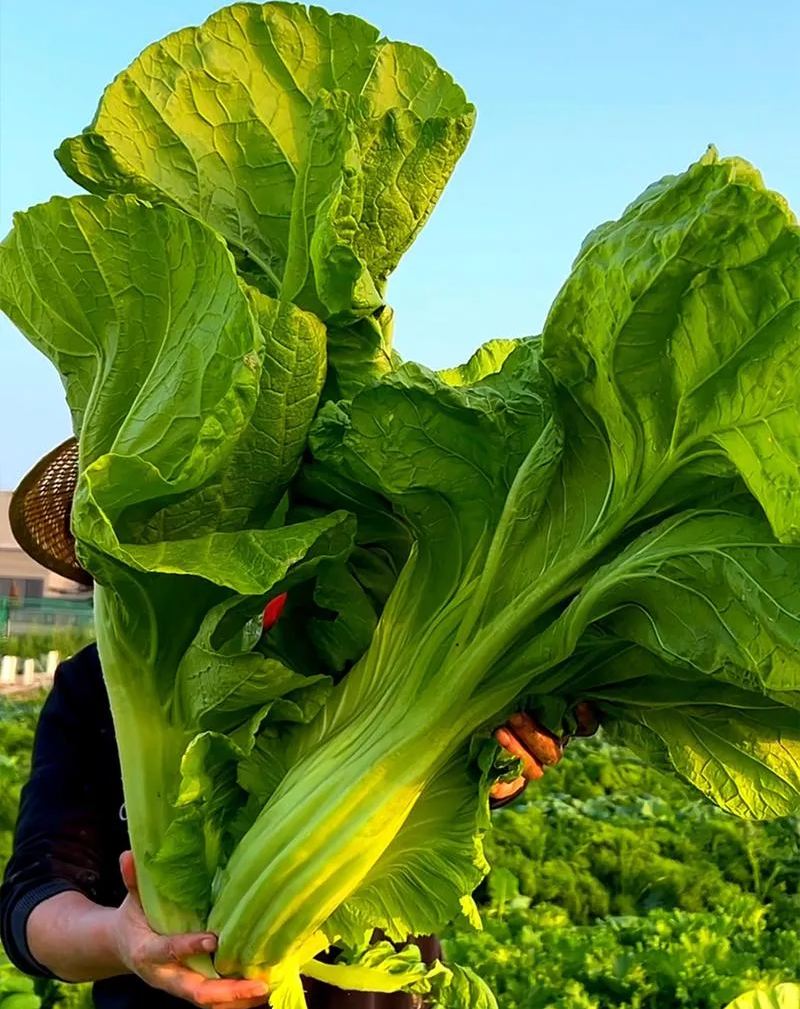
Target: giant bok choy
[[609, 511]]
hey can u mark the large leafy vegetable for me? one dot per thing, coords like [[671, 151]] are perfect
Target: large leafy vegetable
[[608, 511]]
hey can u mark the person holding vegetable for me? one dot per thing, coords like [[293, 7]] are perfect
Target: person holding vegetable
[[69, 906]]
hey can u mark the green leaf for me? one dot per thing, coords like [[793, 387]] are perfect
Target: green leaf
[[266, 457], [503, 887], [202, 832], [239, 695], [379, 968], [138, 308], [486, 360], [345, 638], [359, 354], [548, 509], [740, 747], [164, 352], [328, 626], [251, 562], [444, 457], [289, 994], [176, 402], [746, 761], [315, 147], [710, 603], [463, 989], [675, 338], [358, 591], [220, 689], [166, 359], [712, 591], [783, 996], [383, 968]]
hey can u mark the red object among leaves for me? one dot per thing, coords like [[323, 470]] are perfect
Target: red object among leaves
[[273, 610]]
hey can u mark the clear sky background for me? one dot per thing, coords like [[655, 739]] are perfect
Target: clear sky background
[[581, 104]]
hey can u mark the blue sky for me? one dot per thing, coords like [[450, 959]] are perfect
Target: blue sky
[[581, 104]]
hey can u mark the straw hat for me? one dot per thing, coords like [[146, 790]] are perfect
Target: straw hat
[[40, 513]]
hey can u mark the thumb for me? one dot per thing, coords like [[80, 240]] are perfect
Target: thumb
[[127, 868]]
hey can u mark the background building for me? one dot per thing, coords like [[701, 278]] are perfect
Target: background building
[[32, 598], [22, 578]]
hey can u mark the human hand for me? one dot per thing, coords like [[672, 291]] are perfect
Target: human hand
[[158, 959], [523, 737]]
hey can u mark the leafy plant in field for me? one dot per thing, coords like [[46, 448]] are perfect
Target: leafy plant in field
[[66, 642], [784, 996], [609, 511], [16, 990], [612, 886], [17, 722], [661, 960]]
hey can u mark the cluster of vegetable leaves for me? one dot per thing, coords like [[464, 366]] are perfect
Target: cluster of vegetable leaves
[[609, 511]]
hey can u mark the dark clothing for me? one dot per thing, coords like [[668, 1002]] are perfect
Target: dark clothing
[[71, 831]]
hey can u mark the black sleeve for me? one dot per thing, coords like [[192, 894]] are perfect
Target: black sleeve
[[65, 837]]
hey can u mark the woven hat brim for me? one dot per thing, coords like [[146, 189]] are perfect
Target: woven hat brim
[[40, 513]]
